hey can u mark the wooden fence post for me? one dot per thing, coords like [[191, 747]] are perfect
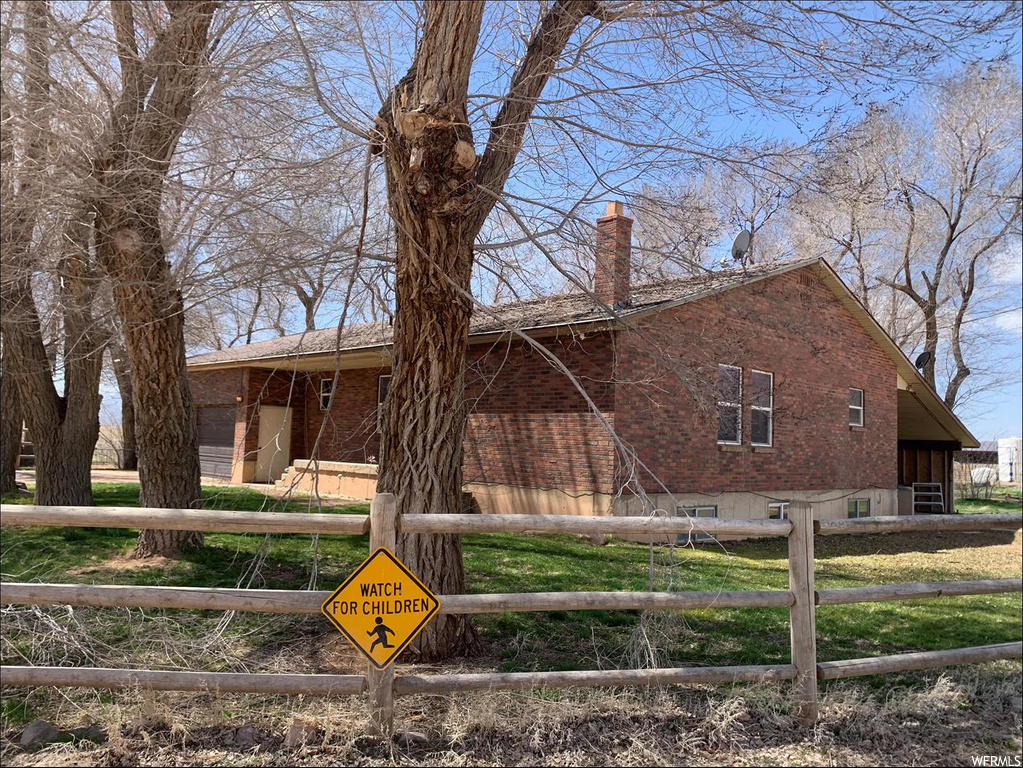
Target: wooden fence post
[[382, 533], [803, 612]]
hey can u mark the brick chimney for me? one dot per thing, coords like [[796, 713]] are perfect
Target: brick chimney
[[614, 256]]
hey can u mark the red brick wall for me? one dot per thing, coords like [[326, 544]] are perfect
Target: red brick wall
[[791, 326], [529, 426], [255, 386], [216, 387], [350, 425], [284, 388], [612, 271]]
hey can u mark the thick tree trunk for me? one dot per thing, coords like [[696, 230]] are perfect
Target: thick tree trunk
[[64, 430], [128, 456], [425, 422], [131, 168], [439, 195], [152, 318], [63, 459], [430, 160], [10, 428]]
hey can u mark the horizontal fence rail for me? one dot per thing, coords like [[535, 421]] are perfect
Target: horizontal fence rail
[[578, 524], [293, 601], [210, 520], [802, 600], [912, 662], [517, 681], [917, 591], [167, 680], [907, 523]]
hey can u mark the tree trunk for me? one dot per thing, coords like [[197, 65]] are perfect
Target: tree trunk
[[128, 456], [930, 312], [64, 429], [152, 317], [421, 451], [430, 161], [131, 169], [439, 195], [10, 427], [63, 459]]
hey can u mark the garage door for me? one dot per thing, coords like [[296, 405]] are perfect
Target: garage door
[[216, 441]]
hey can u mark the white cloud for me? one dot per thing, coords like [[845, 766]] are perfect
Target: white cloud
[[1007, 264], [1011, 321]]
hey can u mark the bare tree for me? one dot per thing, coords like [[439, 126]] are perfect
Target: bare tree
[[564, 107], [143, 128], [10, 426], [127, 456], [914, 205], [64, 428]]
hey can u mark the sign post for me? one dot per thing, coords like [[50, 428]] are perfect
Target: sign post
[[381, 608]]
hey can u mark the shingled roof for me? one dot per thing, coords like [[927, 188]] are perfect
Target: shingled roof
[[550, 311]]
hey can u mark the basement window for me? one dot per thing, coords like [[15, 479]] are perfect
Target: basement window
[[383, 386], [778, 510], [729, 404], [859, 508], [855, 407], [762, 409], [326, 393], [688, 537]]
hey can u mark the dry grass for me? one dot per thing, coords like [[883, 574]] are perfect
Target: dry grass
[[931, 719], [918, 719]]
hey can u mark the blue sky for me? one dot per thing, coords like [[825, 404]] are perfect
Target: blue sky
[[999, 414]]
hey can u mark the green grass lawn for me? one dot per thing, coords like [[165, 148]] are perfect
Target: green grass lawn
[[540, 563], [986, 506]]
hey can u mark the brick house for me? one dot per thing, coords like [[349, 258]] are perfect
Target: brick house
[[728, 393]]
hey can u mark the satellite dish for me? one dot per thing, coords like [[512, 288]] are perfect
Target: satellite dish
[[921, 360], [741, 245]]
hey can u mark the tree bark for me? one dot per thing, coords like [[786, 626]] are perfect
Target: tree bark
[[10, 427], [421, 446], [128, 455], [435, 199], [422, 443], [63, 429], [152, 317], [130, 171]]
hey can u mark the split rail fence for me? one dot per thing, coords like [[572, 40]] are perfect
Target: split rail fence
[[383, 524]]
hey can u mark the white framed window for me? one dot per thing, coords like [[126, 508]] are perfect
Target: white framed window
[[326, 393], [383, 386], [729, 404], [778, 510], [855, 407], [694, 536], [762, 409], [859, 508]]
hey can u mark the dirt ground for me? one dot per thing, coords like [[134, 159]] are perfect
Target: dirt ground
[[939, 718]]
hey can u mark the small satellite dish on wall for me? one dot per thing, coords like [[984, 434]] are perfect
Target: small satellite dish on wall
[[922, 359], [741, 246]]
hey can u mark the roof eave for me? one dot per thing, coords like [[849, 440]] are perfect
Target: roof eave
[[578, 326]]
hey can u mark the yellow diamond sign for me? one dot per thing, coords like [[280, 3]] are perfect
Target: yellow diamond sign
[[381, 607]]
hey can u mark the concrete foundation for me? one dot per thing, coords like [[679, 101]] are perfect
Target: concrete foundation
[[335, 478]]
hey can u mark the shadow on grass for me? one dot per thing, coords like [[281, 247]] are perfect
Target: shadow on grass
[[928, 542]]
